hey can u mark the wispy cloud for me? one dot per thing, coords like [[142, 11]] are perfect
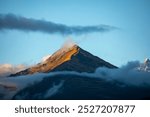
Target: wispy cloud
[[7, 69], [11, 21]]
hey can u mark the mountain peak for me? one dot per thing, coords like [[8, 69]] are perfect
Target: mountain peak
[[147, 61], [145, 66], [69, 58]]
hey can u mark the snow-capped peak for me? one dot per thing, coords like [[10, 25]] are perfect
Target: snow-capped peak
[[147, 62], [145, 66]]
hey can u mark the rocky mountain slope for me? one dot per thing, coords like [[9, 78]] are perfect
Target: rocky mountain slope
[[72, 58]]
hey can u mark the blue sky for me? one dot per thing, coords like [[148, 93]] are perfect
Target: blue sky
[[129, 42]]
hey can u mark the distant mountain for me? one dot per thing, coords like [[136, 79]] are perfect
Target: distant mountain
[[71, 58], [145, 66]]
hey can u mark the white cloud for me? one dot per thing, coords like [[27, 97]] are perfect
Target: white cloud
[[69, 42], [7, 69]]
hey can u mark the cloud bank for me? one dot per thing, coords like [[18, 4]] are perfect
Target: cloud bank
[[128, 74], [17, 83], [7, 69], [11, 21]]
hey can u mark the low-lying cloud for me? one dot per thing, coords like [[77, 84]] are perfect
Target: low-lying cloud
[[11, 21], [128, 74], [17, 83], [7, 69]]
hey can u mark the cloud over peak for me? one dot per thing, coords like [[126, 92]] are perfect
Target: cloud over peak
[[11, 21]]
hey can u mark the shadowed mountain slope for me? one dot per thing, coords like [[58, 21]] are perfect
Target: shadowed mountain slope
[[77, 87]]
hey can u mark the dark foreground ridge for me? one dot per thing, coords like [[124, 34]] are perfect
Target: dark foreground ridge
[[77, 87]]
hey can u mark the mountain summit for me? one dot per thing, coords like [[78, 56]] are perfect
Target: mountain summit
[[68, 58], [147, 62], [145, 66]]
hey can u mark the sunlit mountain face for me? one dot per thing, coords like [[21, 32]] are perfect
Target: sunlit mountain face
[[69, 58]]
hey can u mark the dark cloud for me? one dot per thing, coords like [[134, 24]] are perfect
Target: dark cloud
[[11, 21]]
